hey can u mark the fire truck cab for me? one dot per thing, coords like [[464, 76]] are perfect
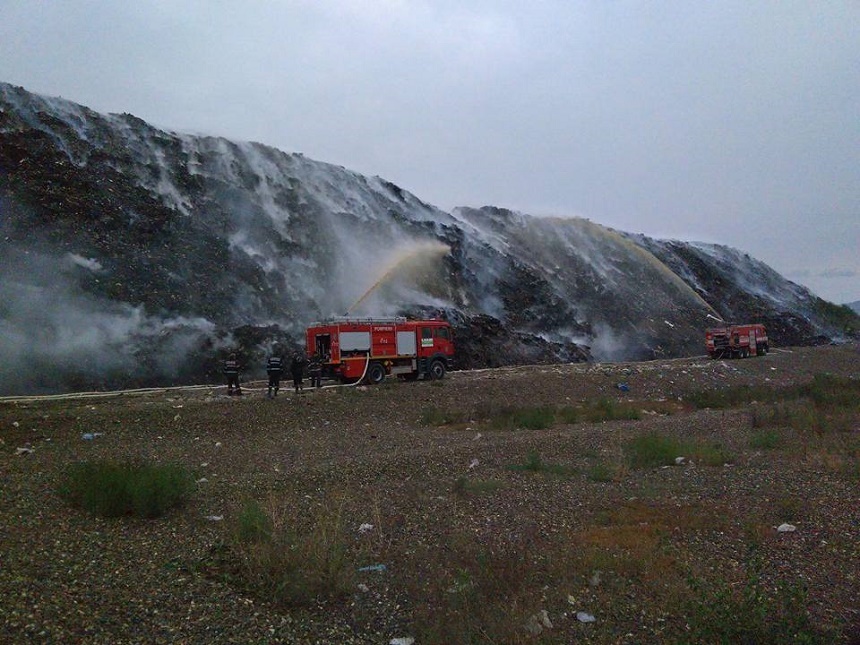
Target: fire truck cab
[[369, 349], [736, 341]]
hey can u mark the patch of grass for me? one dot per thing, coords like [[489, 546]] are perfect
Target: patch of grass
[[710, 454], [750, 612], [113, 489], [482, 592], [608, 410], [765, 440], [788, 508], [827, 392], [253, 524], [603, 409], [463, 486], [526, 418], [601, 473], [731, 397], [535, 464], [433, 416], [652, 450], [291, 564]]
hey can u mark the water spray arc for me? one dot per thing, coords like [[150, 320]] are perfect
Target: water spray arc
[[413, 257]]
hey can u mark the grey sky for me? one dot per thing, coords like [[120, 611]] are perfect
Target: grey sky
[[729, 122]]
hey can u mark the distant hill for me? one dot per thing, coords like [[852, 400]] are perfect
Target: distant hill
[[854, 305], [138, 256]]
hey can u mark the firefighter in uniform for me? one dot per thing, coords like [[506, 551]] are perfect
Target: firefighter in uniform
[[315, 370], [274, 368], [297, 370], [231, 371]]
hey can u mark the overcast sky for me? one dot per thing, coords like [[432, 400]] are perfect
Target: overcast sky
[[729, 122]]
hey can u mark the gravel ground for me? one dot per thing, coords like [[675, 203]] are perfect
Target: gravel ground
[[68, 577]]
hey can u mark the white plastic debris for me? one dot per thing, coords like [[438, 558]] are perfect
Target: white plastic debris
[[202, 480], [786, 528], [402, 640], [473, 464], [585, 617], [538, 622], [680, 460], [364, 528], [26, 450], [16, 424], [214, 518], [363, 588], [217, 444]]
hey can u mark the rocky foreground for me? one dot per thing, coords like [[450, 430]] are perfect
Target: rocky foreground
[[453, 528]]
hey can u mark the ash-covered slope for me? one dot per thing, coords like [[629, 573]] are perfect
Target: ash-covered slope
[[133, 255]]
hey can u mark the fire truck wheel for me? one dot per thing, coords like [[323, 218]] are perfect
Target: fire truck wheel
[[375, 373], [437, 370]]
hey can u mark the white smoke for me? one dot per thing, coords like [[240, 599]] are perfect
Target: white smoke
[[54, 336]]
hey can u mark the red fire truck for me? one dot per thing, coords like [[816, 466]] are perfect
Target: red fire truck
[[369, 349], [736, 341]]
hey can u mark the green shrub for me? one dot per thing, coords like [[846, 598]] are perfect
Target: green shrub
[[608, 410], [253, 524], [765, 440], [464, 486], [651, 450], [710, 454], [287, 564], [755, 612], [116, 489], [433, 416], [601, 473], [535, 464], [529, 418]]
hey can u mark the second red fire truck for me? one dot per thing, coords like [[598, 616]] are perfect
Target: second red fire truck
[[369, 349]]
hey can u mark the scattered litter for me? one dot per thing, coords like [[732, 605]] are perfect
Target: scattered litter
[[363, 588], [473, 463], [89, 436], [204, 464], [176, 418], [571, 600], [668, 323], [16, 424], [202, 480], [786, 528], [364, 528], [594, 580], [214, 518], [478, 436], [680, 460], [26, 450], [217, 444], [373, 567], [584, 617], [623, 387], [402, 640]]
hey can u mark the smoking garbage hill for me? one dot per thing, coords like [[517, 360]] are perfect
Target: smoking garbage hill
[[138, 256]]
